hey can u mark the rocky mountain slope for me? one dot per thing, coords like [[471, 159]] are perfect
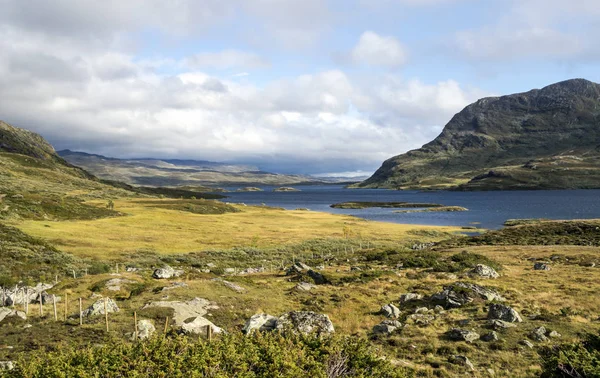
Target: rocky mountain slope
[[190, 173], [542, 139]]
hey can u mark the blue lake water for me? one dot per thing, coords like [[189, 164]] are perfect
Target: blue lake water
[[486, 209]]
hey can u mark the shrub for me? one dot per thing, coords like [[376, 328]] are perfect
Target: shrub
[[573, 360], [233, 355]]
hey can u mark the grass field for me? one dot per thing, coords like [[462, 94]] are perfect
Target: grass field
[[166, 231]]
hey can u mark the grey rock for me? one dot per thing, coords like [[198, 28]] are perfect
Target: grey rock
[[421, 319], [499, 325], [145, 329], [462, 361], [198, 326], [98, 308], [166, 273], [554, 334], [6, 313], [390, 311], [297, 268], [541, 266], [410, 297], [175, 285], [491, 336], [304, 286], [502, 312], [461, 293], [318, 277], [355, 269], [457, 334], [116, 283], [539, 334], [422, 310], [386, 327], [235, 287], [260, 322], [305, 322], [484, 271], [7, 365], [526, 343], [229, 270]]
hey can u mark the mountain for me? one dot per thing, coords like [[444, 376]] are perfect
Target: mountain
[[542, 139], [173, 172]]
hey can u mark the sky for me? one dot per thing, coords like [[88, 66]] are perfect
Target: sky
[[292, 86]]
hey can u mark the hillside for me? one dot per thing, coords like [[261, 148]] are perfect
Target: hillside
[[159, 172], [542, 139]]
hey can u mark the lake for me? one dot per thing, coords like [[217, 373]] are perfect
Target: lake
[[486, 209]]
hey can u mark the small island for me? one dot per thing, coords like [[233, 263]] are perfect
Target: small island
[[432, 209], [396, 205], [286, 189], [249, 189]]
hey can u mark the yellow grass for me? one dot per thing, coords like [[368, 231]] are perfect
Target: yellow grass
[[171, 231]]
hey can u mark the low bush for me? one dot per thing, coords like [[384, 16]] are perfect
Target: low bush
[[234, 355], [572, 360]]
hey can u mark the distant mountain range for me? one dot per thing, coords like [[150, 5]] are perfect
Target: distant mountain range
[[543, 139], [188, 173]]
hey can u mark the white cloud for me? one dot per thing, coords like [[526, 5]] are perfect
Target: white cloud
[[226, 59], [377, 50]]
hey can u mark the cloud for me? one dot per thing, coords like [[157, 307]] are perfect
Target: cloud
[[376, 50], [226, 59]]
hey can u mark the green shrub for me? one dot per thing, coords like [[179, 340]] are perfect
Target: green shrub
[[234, 355], [467, 259], [572, 360]]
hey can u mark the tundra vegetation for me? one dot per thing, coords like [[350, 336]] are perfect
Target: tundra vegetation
[[404, 300]]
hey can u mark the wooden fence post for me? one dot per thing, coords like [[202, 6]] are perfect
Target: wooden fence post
[[66, 305], [14, 304], [106, 313], [135, 334], [41, 305], [80, 313], [3, 297], [166, 325], [208, 333], [27, 301], [54, 306]]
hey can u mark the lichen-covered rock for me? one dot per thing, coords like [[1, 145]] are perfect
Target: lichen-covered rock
[[297, 268], [7, 365], [541, 266], [390, 311], [305, 322], [318, 277], [260, 322], [166, 273], [457, 334], [526, 343], [410, 297], [386, 327], [461, 293], [539, 334], [462, 361], [145, 329], [98, 308], [502, 312], [491, 336], [484, 271], [198, 326], [499, 325], [304, 286], [116, 283], [7, 313]]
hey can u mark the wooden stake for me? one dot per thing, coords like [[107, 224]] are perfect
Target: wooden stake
[[14, 304], [166, 325], [80, 313], [66, 305], [27, 301], [117, 267], [74, 274], [209, 333], [106, 313], [135, 337], [41, 306], [54, 305], [3, 297]]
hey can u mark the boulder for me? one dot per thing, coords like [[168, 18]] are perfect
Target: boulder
[[185, 310], [260, 322], [386, 327], [554, 334], [539, 334], [390, 311], [484, 271], [305, 322], [462, 361], [235, 287], [526, 343], [115, 283], [175, 285], [457, 334], [461, 293], [541, 266], [499, 325], [502, 312], [6, 313], [166, 273], [304, 286], [421, 319], [410, 297], [197, 326], [318, 277], [145, 329], [98, 308], [297, 268], [491, 336], [7, 365]]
